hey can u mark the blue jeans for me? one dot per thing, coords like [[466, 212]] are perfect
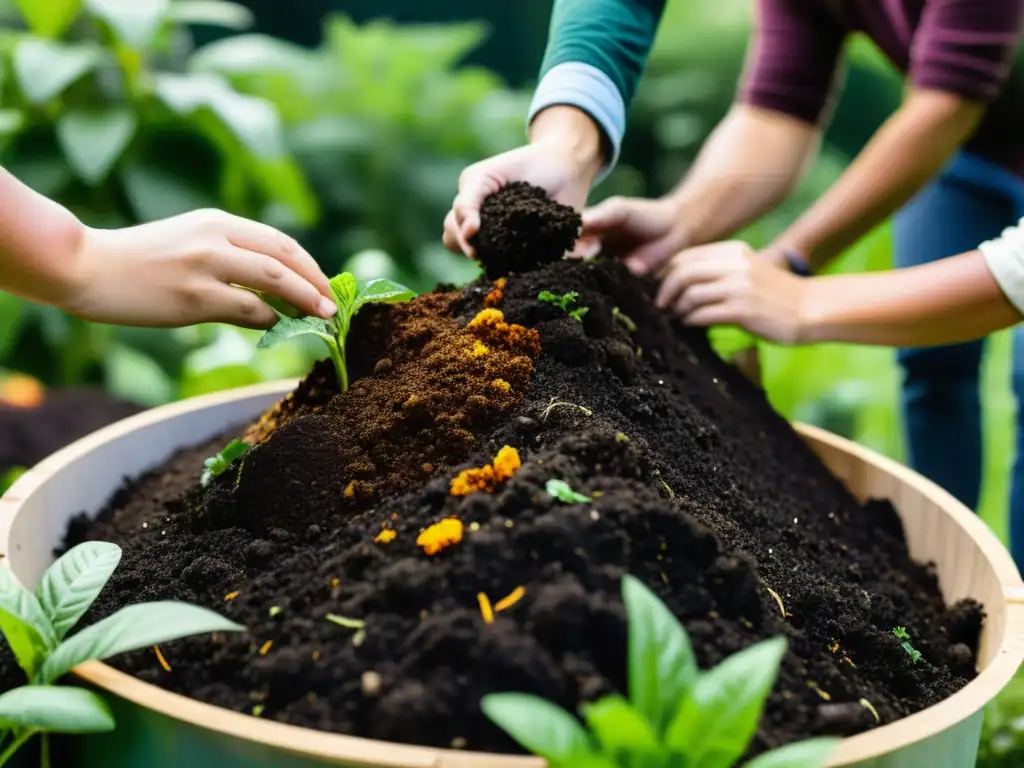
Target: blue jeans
[[970, 202]]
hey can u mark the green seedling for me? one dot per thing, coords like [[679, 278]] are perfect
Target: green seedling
[[623, 319], [901, 634], [562, 491], [675, 714], [349, 297], [221, 463], [35, 625], [565, 301]]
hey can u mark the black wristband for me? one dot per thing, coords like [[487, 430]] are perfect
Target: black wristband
[[797, 264]]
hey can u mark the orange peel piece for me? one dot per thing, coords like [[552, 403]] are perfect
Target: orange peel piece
[[487, 477], [440, 535]]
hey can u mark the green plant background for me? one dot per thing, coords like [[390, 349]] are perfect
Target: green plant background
[[351, 134]]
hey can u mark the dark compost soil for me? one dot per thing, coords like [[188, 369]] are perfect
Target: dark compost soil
[[700, 489]]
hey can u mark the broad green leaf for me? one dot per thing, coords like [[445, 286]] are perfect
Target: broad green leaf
[[214, 13], [133, 22], [718, 719], [803, 754], [617, 726], [662, 667], [255, 54], [55, 709], [131, 628], [12, 316], [289, 328], [155, 193], [382, 291], [44, 69], [94, 139], [345, 290], [134, 376], [541, 727], [23, 623], [48, 18], [74, 582]]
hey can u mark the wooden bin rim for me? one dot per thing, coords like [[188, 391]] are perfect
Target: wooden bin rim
[[358, 751]]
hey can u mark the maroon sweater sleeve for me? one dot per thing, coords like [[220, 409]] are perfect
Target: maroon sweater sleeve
[[966, 47], [792, 59]]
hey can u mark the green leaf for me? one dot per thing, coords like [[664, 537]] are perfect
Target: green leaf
[[562, 491], [289, 327], [44, 69], [718, 719], [74, 582], [214, 13], [23, 623], [662, 667], [133, 22], [541, 727], [803, 754], [94, 139], [280, 306], [55, 709], [619, 727], [48, 18], [131, 628], [381, 291], [10, 477], [12, 317], [344, 288], [136, 377], [221, 463], [155, 193]]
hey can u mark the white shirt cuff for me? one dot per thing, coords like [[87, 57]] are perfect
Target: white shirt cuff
[[1005, 258]]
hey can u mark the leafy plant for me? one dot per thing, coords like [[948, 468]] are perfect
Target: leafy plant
[[901, 634], [349, 297], [36, 625], [9, 477], [676, 715], [565, 301], [221, 463], [562, 491]]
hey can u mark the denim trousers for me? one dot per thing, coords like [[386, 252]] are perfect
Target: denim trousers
[[971, 201]]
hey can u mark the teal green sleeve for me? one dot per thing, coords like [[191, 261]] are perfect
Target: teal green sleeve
[[596, 53]]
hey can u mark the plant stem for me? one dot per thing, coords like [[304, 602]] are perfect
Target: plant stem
[[15, 746], [338, 356], [44, 751]]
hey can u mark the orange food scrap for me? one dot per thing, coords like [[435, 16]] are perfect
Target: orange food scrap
[[510, 599], [501, 385], [487, 318], [265, 648], [479, 349], [388, 534], [487, 477], [350, 490], [22, 391], [161, 659], [485, 608], [230, 596], [497, 294], [440, 535], [335, 582]]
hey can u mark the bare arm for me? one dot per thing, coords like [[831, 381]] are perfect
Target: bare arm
[[948, 301], [908, 150]]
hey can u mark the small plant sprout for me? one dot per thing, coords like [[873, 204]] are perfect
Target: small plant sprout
[[562, 491], [623, 319], [221, 463], [901, 634], [35, 625], [564, 302], [675, 715], [560, 404], [349, 297]]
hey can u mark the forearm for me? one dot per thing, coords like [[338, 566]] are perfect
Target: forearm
[[948, 301], [576, 134], [39, 240], [596, 52], [905, 153], [748, 165]]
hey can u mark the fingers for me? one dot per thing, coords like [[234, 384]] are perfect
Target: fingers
[[683, 275], [697, 297], [223, 303], [258, 270], [259, 238], [651, 256], [715, 314], [609, 214], [463, 221]]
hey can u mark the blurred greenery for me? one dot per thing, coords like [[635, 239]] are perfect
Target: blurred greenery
[[354, 144]]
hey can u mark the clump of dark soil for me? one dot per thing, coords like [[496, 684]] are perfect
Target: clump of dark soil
[[521, 229], [29, 435], [699, 489]]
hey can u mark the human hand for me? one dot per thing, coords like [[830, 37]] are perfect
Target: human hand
[[188, 269], [643, 233], [562, 158], [728, 283]]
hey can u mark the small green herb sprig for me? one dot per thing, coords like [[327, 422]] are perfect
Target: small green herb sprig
[[901, 634], [35, 625], [676, 714], [562, 491], [564, 301], [349, 297], [222, 461]]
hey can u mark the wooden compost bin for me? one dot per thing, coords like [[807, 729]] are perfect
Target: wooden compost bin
[[159, 729]]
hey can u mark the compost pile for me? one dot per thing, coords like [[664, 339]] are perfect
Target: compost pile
[[362, 528]]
